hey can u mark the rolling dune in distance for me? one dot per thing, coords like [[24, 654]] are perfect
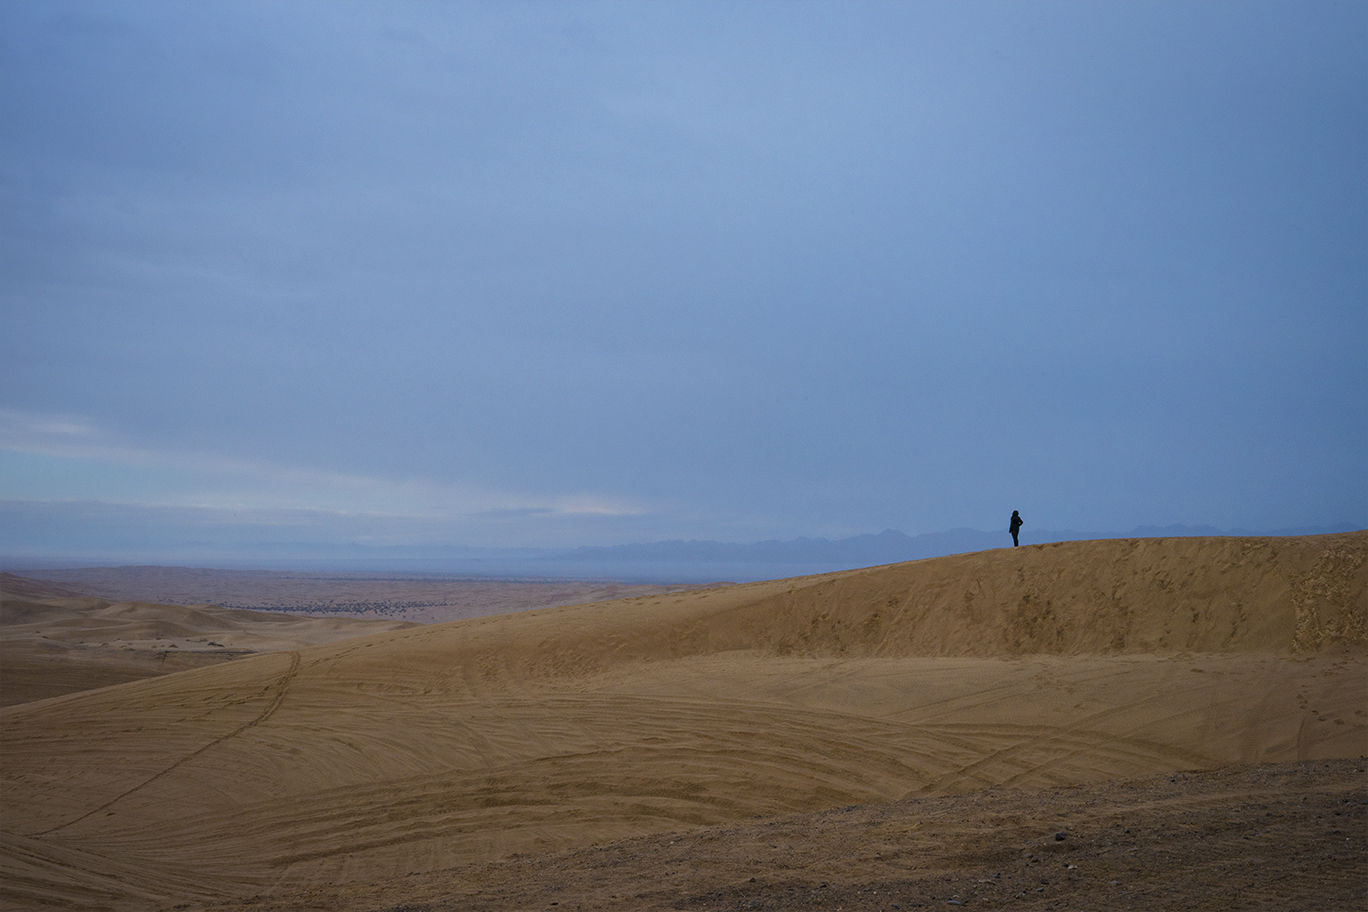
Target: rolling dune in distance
[[360, 764], [55, 646], [121, 624]]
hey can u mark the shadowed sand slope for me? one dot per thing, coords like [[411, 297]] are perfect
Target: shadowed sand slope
[[427, 748]]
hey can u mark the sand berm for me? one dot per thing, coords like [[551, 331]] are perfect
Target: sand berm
[[426, 749]]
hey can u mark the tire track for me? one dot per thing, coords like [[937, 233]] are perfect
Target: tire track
[[281, 687], [1026, 756]]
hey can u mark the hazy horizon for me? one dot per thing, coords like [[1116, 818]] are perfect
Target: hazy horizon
[[673, 560], [543, 275]]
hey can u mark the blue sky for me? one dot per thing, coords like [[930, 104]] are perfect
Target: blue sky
[[577, 273]]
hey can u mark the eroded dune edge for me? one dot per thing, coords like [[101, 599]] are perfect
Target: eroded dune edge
[[425, 749]]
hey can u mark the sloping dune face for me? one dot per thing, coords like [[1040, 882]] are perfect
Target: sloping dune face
[[427, 748]]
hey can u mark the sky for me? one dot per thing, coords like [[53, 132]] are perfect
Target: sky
[[556, 274]]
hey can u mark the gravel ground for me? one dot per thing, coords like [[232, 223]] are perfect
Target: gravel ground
[[1290, 836]]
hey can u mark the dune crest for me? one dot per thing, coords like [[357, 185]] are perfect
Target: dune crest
[[1107, 596], [426, 748], [1110, 597]]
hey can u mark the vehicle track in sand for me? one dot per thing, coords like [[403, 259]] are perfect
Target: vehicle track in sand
[[280, 688]]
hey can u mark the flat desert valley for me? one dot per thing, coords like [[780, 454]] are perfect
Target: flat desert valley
[[1120, 724]]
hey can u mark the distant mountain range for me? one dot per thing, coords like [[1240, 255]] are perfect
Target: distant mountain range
[[887, 547]]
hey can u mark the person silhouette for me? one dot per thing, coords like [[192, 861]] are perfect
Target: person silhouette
[[1016, 527]]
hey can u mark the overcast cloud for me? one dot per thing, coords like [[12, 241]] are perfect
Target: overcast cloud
[[582, 273]]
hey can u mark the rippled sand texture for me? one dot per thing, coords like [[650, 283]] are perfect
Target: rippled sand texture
[[426, 748]]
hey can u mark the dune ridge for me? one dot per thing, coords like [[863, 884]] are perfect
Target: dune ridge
[[1130, 596], [426, 748]]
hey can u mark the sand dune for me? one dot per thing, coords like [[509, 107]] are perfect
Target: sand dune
[[424, 749], [55, 646]]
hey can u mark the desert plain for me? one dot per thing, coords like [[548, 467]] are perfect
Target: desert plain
[[1118, 724]]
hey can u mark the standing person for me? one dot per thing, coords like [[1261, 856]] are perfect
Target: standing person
[[1016, 527]]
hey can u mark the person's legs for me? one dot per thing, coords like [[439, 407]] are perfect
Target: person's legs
[[1014, 539]]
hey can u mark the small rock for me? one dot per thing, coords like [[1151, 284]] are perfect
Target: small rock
[[1061, 836]]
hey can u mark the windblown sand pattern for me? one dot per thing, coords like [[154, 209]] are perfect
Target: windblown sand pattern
[[425, 749]]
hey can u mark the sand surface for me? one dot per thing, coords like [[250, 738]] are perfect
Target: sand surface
[[55, 646], [354, 770], [1270, 837], [110, 625]]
